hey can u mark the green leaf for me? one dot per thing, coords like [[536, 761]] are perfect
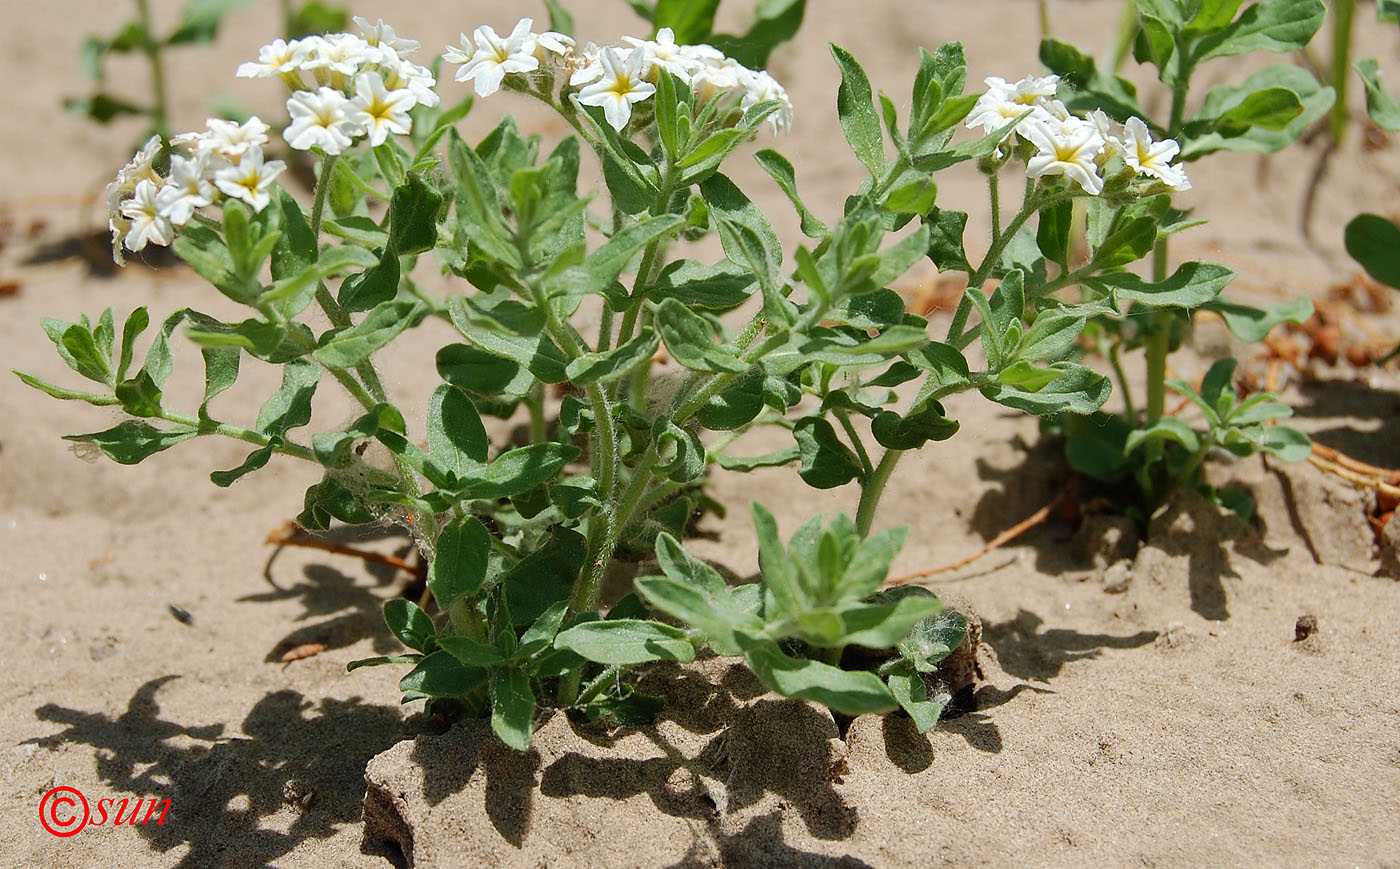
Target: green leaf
[[290, 406], [850, 693], [131, 330], [1270, 25], [691, 20], [1052, 233], [747, 236], [1271, 108], [510, 330], [354, 345], [65, 394], [266, 341], [856, 110], [775, 22], [909, 692], [1193, 284], [1315, 100], [1380, 104], [1168, 428], [1253, 324], [410, 624], [945, 246], [295, 250], [695, 593], [519, 470], [471, 652], [540, 635], [879, 626], [720, 287], [777, 458], [256, 460], [413, 217], [1287, 443], [75, 343], [1155, 45], [781, 170], [457, 441], [544, 577], [733, 407], [458, 568], [689, 340], [132, 441], [481, 373], [442, 675], [925, 422], [1374, 241], [1051, 334], [934, 638], [627, 641], [328, 500], [1078, 389], [512, 707], [826, 461]]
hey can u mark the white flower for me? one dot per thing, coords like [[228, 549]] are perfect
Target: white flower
[[717, 80], [378, 111], [148, 225], [1152, 158], [1071, 155], [1103, 125], [1003, 102], [494, 57], [141, 167], [231, 141], [186, 190], [417, 80], [554, 43], [279, 58], [383, 35], [250, 179], [620, 86], [665, 53], [760, 87], [341, 53], [319, 120], [590, 68]]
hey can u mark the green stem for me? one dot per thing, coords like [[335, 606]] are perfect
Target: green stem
[[239, 433], [599, 684], [872, 490], [539, 431], [1128, 409], [833, 655], [1123, 37], [994, 189], [1158, 342], [1343, 11], [844, 417], [323, 186], [605, 327]]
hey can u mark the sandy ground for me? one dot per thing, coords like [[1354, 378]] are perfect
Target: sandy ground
[[1177, 723]]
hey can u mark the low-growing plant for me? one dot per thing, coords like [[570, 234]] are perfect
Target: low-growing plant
[[1267, 111], [810, 339]]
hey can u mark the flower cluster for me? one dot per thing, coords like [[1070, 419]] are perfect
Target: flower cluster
[[1066, 144], [346, 86], [226, 160], [614, 78]]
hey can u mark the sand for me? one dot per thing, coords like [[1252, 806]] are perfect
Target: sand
[[1169, 719]]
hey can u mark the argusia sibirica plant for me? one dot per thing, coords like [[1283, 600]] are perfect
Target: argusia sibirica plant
[[520, 537], [1270, 109]]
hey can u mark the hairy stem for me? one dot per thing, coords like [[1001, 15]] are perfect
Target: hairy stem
[[1158, 342], [160, 110], [1343, 11], [239, 433], [872, 490]]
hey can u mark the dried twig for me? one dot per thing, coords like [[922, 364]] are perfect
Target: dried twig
[[292, 535], [1001, 539], [1355, 472]]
